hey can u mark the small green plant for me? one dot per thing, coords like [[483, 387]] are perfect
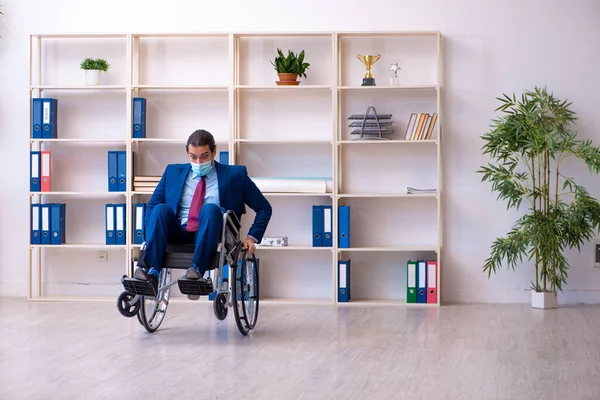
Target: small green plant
[[97, 64], [292, 64]]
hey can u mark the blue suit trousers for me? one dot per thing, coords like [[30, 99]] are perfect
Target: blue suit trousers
[[164, 228]]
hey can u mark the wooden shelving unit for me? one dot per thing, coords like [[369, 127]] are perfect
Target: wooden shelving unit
[[224, 82]]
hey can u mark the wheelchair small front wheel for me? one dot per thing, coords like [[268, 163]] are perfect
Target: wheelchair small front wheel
[[128, 305], [220, 306]]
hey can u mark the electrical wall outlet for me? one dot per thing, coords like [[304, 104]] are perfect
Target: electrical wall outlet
[[102, 256], [596, 258]]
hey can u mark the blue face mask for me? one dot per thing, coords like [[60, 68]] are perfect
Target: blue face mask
[[201, 169]]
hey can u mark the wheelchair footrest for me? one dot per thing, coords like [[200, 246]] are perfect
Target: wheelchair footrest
[[197, 287], [136, 286]]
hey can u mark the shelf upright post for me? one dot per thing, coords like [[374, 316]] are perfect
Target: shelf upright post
[[129, 155], [336, 256]]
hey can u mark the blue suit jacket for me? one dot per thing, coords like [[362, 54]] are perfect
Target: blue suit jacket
[[236, 190]]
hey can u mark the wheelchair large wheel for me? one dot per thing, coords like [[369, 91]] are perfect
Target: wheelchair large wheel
[[245, 293], [153, 310]]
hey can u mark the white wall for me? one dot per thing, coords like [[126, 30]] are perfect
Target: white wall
[[489, 48]]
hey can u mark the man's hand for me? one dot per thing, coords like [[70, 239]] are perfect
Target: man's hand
[[249, 244]]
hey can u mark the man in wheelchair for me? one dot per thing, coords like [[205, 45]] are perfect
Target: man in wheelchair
[[188, 205]]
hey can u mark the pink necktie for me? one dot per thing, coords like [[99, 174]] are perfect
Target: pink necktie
[[197, 201]]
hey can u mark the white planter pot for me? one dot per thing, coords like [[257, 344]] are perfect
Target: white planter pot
[[92, 77], [544, 300]]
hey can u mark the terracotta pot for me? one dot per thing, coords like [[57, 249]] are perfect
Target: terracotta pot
[[287, 79]]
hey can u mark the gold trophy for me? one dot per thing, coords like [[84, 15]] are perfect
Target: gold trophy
[[368, 60]]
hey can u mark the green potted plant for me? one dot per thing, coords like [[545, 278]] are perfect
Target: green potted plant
[[529, 144], [93, 69], [290, 68]]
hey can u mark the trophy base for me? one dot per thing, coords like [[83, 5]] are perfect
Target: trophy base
[[368, 82]]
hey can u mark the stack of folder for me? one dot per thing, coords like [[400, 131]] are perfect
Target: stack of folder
[[322, 222], [44, 118], [421, 281], [40, 164], [117, 171], [115, 224], [48, 223]]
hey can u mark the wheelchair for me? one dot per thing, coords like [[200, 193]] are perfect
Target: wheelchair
[[230, 260]]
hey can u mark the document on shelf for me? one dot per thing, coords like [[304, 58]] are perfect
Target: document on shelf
[[411, 190], [294, 184]]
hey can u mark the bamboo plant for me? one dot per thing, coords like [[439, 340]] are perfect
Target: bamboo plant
[[529, 144]]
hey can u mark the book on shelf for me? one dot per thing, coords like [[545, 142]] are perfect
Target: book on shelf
[[145, 183], [420, 126]]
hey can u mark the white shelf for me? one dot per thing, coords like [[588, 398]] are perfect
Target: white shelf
[[386, 195], [372, 34], [80, 35], [307, 194], [284, 87], [283, 141], [383, 87], [181, 87], [168, 140], [395, 303], [224, 82], [384, 142], [91, 246], [79, 88], [82, 194], [390, 249], [294, 248], [139, 192], [79, 140]]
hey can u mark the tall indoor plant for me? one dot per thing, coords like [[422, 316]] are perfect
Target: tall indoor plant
[[529, 143]]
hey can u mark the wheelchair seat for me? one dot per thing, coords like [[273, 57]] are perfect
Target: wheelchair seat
[[179, 256]]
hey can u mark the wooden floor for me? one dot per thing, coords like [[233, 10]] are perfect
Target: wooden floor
[[89, 351]]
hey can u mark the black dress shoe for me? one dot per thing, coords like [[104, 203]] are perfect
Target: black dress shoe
[[144, 276], [140, 274], [192, 273]]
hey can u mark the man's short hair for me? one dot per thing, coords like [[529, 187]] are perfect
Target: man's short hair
[[201, 138]]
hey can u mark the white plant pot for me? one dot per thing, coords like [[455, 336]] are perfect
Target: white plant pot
[[544, 300], [92, 77]]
